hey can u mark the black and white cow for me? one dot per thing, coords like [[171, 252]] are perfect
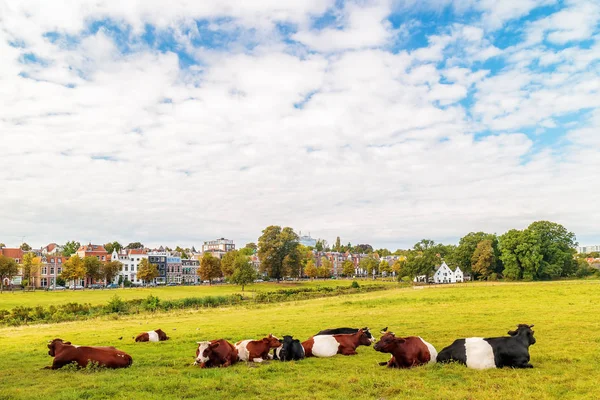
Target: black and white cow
[[498, 352], [291, 349]]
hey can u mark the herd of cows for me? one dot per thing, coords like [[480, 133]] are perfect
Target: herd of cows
[[475, 352]]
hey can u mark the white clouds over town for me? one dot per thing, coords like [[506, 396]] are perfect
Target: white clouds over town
[[326, 117]]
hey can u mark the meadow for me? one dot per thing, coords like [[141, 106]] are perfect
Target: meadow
[[9, 300], [565, 314]]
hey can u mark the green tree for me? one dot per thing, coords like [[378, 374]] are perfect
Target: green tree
[[70, 248], [109, 270], [30, 266], [134, 245], [147, 271], [463, 253], [326, 263], [8, 269], [25, 247], [246, 251], [311, 269], [422, 262], [348, 268], [243, 271], [2, 245], [369, 264], [210, 268], [73, 269], [109, 247], [383, 252], [323, 272], [362, 249], [483, 259], [384, 266], [227, 263], [273, 246], [93, 268], [182, 252], [338, 244]]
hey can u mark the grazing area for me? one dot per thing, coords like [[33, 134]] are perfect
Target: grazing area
[[9, 300], [564, 357]]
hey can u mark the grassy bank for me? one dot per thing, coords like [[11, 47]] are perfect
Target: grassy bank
[[565, 315]]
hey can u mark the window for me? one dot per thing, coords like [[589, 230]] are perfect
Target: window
[[98, 257], [44, 270], [52, 260], [51, 270], [103, 258], [126, 268], [44, 282], [60, 260], [59, 270]]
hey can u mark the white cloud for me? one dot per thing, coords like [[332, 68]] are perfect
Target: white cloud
[[346, 139]]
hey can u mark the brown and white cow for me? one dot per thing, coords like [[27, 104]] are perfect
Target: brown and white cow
[[152, 336], [216, 353], [330, 345], [406, 352], [65, 353], [257, 350]]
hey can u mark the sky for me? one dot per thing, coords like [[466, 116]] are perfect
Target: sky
[[382, 122]]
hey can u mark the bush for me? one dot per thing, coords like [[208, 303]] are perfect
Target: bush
[[150, 303], [116, 305], [355, 285]]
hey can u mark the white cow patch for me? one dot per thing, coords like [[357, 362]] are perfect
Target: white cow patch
[[278, 351], [242, 349], [201, 347], [479, 353], [153, 336], [325, 346], [432, 351]]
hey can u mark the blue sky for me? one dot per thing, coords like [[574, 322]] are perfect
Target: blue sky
[[382, 122]]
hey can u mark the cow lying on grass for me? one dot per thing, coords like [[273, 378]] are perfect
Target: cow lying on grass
[[346, 331], [291, 349], [152, 336], [483, 353], [330, 345], [216, 353], [65, 353], [257, 350], [406, 352]]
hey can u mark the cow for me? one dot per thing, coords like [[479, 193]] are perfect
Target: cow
[[66, 353], [216, 353], [346, 331], [257, 350], [152, 336], [406, 352], [330, 345], [291, 349], [498, 352]]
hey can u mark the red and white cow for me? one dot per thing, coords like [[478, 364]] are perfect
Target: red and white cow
[[257, 350], [152, 336], [330, 345], [406, 352], [216, 353]]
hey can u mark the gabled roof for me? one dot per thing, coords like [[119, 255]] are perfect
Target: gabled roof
[[12, 253]]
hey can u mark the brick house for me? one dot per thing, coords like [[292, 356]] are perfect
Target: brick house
[[17, 255], [189, 270], [50, 270]]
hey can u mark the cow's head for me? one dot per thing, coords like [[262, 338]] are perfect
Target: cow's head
[[53, 344], [161, 334], [388, 343], [272, 341], [368, 333], [365, 338], [210, 350], [200, 352], [525, 331]]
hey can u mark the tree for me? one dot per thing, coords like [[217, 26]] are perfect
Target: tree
[[109, 247], [273, 246], [109, 270], [348, 268], [311, 269], [384, 267], [134, 245], [93, 268], [73, 269], [251, 246], [8, 269], [422, 262], [2, 245], [326, 263], [483, 259], [227, 263], [368, 264], [338, 244], [362, 248], [323, 272], [147, 271], [210, 268], [246, 251], [463, 253], [321, 244], [70, 248], [25, 247], [383, 252], [182, 252], [30, 266], [243, 271]]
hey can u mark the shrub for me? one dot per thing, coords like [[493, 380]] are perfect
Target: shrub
[[150, 303], [116, 305], [355, 285]]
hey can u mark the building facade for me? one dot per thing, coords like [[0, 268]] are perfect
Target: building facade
[[174, 273], [50, 269], [222, 244], [160, 259], [93, 250], [588, 249], [131, 260], [189, 271], [17, 255]]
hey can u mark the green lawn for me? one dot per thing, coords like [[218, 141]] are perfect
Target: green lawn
[[9, 300], [565, 315]]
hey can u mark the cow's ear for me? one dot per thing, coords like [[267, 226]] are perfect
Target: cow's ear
[[67, 342], [512, 333], [214, 345]]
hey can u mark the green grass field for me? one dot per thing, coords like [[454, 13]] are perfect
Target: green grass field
[[9, 300], [565, 315]]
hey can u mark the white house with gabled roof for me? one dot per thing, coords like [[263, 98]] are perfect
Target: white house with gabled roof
[[443, 274]]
